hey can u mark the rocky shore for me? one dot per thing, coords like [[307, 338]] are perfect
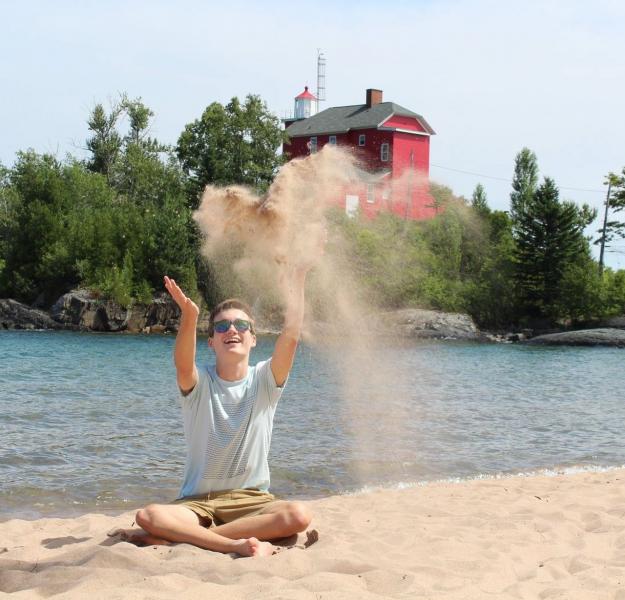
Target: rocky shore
[[585, 337], [429, 324], [82, 310]]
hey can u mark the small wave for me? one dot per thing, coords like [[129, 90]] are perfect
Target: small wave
[[547, 472]]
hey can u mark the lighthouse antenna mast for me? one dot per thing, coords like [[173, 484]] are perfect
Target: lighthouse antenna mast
[[321, 76]]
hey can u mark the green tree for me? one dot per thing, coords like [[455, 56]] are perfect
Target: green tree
[[581, 292], [384, 254], [490, 294], [524, 182], [232, 144], [479, 201], [549, 239], [151, 189], [105, 142], [457, 241], [617, 200], [38, 265], [116, 228], [8, 204], [139, 116], [612, 229], [614, 292], [441, 196]]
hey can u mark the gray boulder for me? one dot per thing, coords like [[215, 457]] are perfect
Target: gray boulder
[[616, 322], [158, 316], [584, 337], [84, 310], [420, 323], [15, 315]]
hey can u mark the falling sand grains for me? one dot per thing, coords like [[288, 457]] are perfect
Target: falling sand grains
[[252, 241]]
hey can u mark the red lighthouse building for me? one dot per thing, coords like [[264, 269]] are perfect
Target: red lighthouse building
[[391, 143]]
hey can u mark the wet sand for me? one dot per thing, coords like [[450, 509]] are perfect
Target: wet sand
[[519, 537]]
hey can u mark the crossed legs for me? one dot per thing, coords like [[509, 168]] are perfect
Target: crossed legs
[[164, 523]]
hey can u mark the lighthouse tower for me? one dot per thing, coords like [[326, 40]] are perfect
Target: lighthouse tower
[[306, 105]]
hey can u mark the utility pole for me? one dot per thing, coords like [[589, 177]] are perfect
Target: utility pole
[[605, 224]]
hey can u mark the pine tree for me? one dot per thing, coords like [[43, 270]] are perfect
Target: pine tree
[[613, 229], [524, 181], [549, 238], [479, 202]]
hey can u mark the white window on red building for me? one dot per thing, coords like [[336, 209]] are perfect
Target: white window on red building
[[361, 139], [351, 205], [384, 152], [332, 140], [370, 194], [312, 144]]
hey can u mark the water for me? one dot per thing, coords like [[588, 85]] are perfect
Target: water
[[90, 422]]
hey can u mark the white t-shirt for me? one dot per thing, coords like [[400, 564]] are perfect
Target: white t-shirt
[[228, 427]]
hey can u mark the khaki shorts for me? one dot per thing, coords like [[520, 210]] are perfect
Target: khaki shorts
[[222, 507]]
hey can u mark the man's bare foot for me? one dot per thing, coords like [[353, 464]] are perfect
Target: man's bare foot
[[253, 547], [138, 537]]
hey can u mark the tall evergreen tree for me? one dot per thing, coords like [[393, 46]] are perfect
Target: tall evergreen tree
[[549, 238], [524, 181], [617, 201], [105, 142], [479, 202], [613, 229]]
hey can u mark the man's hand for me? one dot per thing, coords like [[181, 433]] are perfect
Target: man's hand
[[186, 305], [313, 248], [184, 351]]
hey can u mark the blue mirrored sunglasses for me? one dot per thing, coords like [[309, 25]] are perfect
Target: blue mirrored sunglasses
[[241, 325]]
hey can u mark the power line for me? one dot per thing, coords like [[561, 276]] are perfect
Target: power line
[[508, 180]]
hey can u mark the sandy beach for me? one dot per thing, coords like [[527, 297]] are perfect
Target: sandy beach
[[520, 537]]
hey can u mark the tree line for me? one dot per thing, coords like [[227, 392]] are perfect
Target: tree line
[[120, 218], [529, 266]]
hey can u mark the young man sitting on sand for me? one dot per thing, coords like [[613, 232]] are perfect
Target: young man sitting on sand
[[228, 414]]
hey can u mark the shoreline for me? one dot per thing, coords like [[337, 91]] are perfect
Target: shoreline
[[115, 512], [82, 311], [559, 535]]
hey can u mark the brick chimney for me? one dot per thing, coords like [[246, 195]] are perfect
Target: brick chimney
[[373, 97]]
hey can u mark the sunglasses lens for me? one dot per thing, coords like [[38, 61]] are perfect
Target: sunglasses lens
[[241, 325], [222, 326]]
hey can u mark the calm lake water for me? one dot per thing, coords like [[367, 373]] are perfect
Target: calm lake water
[[90, 422]]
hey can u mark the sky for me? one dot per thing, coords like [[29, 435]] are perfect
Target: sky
[[490, 77]]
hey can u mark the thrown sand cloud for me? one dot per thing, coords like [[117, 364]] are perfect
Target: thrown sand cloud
[[264, 235], [251, 242]]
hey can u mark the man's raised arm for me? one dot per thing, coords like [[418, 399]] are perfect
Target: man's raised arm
[[286, 344], [184, 351]]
